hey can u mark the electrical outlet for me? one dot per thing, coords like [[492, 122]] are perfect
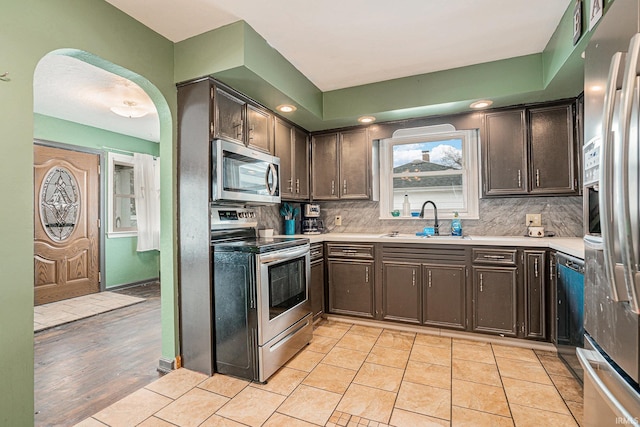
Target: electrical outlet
[[534, 220], [338, 220]]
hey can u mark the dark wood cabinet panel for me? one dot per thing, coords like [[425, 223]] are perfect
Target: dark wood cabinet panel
[[495, 304], [324, 167], [444, 296], [552, 150], [300, 164], [401, 292], [354, 164], [351, 287], [535, 295], [283, 149], [229, 116], [259, 129], [505, 159], [316, 288]]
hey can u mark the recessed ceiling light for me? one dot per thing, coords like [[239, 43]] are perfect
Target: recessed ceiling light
[[286, 108], [366, 119], [129, 109], [484, 103]]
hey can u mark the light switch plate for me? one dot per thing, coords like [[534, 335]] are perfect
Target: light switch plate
[[533, 220], [338, 220]]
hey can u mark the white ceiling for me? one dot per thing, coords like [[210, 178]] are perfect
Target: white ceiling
[[344, 43], [334, 43]]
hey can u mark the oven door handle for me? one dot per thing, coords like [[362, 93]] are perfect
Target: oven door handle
[[276, 257]]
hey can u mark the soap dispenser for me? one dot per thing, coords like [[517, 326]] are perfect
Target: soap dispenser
[[456, 225], [406, 206]]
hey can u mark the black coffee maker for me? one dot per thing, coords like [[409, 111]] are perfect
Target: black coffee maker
[[311, 222]]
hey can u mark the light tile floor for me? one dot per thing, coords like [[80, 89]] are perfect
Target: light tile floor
[[352, 375], [47, 316]]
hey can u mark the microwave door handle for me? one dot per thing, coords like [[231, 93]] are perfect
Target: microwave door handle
[[273, 173], [621, 180], [605, 195]]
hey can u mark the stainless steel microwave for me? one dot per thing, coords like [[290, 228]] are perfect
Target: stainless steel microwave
[[241, 175]]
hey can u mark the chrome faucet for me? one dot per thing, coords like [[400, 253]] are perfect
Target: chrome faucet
[[436, 226]]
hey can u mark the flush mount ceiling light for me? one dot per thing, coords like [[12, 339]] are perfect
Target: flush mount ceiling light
[[484, 103], [129, 109], [366, 119], [286, 108]]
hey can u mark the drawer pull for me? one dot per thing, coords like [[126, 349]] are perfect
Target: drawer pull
[[481, 282], [413, 278], [494, 257], [315, 253], [519, 179], [429, 278], [344, 187], [366, 274], [535, 266], [333, 187]]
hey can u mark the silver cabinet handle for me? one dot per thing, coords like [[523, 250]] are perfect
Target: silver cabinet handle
[[290, 187], [614, 84], [366, 274], [429, 278], [519, 179], [344, 187], [297, 185], [537, 177], [251, 132], [535, 266], [496, 257], [622, 197], [413, 278], [481, 282], [333, 187]]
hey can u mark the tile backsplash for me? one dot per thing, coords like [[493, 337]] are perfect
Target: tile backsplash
[[498, 217]]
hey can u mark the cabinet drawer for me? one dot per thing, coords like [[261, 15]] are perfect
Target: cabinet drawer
[[317, 251], [494, 256], [349, 251]]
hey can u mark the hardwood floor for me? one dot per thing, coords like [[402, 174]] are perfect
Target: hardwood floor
[[85, 366]]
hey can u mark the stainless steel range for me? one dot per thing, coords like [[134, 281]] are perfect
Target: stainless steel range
[[262, 312]]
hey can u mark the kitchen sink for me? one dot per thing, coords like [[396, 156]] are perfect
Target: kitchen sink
[[415, 236]]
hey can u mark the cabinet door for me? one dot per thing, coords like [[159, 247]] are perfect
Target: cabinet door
[[401, 292], [283, 150], [316, 288], [444, 296], [354, 164], [300, 164], [505, 155], [535, 323], [495, 300], [229, 116], [259, 129], [351, 287], [324, 169], [552, 150]]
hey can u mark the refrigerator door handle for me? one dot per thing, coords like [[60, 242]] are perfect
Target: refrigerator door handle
[[614, 84], [606, 395], [621, 177]]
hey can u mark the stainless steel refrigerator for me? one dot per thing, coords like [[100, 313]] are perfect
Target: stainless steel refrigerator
[[611, 357]]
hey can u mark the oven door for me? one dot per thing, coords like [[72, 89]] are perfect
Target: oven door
[[283, 290]]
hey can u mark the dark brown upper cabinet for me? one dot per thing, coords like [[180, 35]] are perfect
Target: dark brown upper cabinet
[[237, 119], [340, 167], [292, 147], [530, 151]]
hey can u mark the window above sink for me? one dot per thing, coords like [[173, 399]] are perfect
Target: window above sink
[[436, 163]]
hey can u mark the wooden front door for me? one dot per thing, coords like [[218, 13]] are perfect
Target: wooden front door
[[66, 229]]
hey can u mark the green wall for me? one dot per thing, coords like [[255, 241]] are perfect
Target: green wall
[[123, 264], [98, 33]]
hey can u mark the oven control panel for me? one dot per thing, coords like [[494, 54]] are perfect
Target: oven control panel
[[232, 217]]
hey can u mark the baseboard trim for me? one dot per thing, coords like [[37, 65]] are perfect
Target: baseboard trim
[[166, 365], [132, 284]]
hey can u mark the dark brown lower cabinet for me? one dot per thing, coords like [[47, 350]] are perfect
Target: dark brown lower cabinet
[[401, 292], [316, 288], [495, 302], [444, 296], [351, 287], [535, 295]]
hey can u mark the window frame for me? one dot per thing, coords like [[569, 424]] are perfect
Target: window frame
[[116, 159], [470, 171]]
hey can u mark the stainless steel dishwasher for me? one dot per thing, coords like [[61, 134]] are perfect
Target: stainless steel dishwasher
[[569, 311]]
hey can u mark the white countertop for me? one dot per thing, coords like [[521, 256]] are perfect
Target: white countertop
[[573, 246]]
